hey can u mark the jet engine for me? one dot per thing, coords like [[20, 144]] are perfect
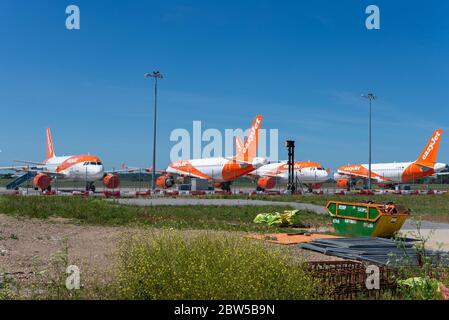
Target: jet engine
[[42, 181], [111, 181], [165, 182], [266, 183], [343, 183]]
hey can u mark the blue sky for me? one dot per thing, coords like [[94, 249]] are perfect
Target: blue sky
[[301, 64]]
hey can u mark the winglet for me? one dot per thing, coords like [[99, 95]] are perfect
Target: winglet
[[50, 149], [428, 156], [248, 152]]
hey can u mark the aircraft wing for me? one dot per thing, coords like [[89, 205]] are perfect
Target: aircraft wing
[[274, 174], [134, 170], [31, 162], [244, 163], [16, 168], [427, 168], [364, 176], [121, 171], [33, 170]]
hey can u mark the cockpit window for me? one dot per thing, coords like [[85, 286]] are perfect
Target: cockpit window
[[99, 163]]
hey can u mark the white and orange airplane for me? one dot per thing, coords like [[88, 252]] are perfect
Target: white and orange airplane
[[309, 173], [88, 168], [395, 172], [221, 171]]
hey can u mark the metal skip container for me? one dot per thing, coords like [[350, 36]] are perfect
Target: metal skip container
[[367, 219]]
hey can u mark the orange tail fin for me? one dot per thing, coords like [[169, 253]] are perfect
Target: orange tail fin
[[429, 155], [248, 151], [238, 145], [50, 149]]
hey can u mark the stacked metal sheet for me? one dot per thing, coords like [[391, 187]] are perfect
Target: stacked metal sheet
[[378, 251]]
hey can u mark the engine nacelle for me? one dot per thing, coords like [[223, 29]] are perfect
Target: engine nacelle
[[111, 181], [164, 182], [343, 183], [266, 183], [42, 181]]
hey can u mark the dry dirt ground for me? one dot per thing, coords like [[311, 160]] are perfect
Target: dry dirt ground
[[28, 245]]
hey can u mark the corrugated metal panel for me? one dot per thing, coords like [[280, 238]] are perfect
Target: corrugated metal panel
[[376, 250]]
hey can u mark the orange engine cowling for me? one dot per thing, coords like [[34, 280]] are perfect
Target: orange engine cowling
[[111, 181], [42, 181], [266, 183], [164, 182], [342, 183]]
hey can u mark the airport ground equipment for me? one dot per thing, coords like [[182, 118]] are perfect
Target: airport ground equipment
[[367, 219], [199, 185], [19, 180]]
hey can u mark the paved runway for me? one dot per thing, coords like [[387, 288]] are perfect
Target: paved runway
[[220, 202]]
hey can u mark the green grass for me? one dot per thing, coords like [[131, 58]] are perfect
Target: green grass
[[102, 212], [169, 266]]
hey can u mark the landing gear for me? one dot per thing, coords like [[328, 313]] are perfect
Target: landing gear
[[47, 189], [259, 189], [90, 187], [226, 186]]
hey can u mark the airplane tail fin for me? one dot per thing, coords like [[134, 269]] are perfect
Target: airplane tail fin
[[428, 156], [238, 145], [247, 151], [50, 149]]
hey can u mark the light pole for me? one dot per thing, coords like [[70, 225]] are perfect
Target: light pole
[[156, 75], [370, 97]]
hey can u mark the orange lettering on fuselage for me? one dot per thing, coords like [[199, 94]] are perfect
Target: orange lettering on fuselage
[[186, 167], [75, 160]]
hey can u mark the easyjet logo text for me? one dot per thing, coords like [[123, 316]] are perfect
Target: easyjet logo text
[[252, 132], [354, 168], [431, 145]]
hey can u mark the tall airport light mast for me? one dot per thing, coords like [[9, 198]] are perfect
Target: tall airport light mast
[[291, 185], [155, 75], [370, 96]]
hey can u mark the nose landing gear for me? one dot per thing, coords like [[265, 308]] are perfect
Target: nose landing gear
[[90, 186]]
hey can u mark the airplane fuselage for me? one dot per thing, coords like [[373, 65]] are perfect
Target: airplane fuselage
[[395, 172], [76, 168], [305, 172], [217, 169]]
